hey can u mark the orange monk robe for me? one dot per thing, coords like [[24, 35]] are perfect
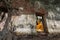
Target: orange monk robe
[[39, 27]]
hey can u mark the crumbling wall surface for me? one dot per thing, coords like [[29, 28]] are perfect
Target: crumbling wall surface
[[53, 22], [25, 23]]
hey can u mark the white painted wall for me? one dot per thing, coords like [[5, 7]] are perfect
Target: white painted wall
[[53, 22]]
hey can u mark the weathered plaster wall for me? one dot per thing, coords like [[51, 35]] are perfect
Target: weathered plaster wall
[[53, 22]]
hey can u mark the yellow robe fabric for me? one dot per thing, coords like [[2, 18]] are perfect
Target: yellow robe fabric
[[39, 27]]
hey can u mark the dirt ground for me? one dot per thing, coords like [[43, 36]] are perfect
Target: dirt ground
[[30, 37]]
